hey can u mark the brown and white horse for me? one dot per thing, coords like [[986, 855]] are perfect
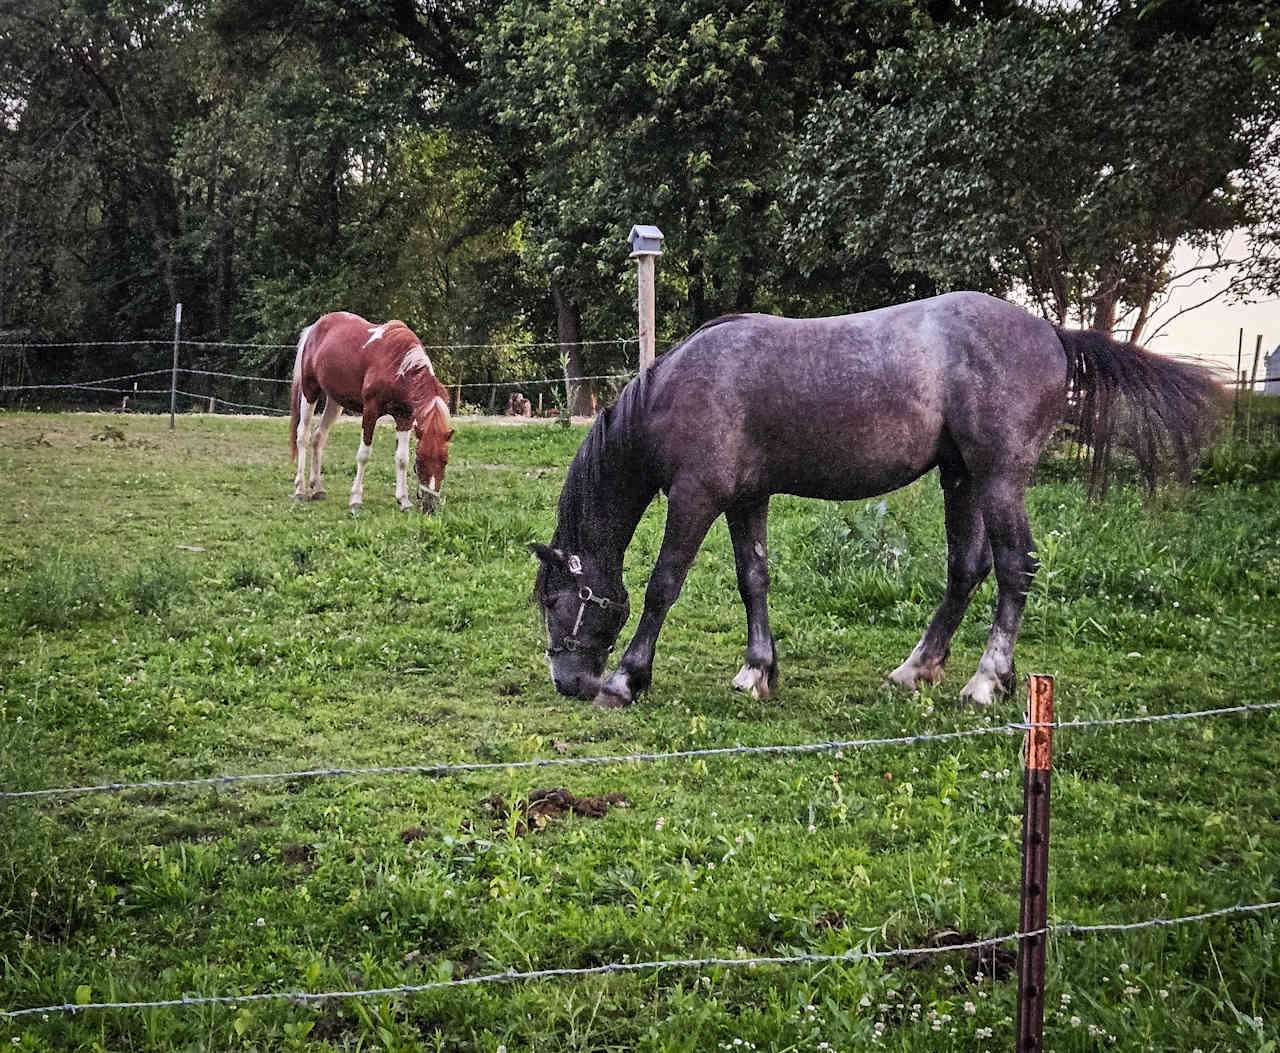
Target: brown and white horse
[[373, 370]]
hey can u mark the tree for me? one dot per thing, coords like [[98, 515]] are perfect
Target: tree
[[1058, 154], [90, 208]]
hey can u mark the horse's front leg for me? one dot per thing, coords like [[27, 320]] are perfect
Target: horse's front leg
[[749, 528], [402, 469], [368, 422], [689, 517]]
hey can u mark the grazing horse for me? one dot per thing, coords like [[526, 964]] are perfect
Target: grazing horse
[[373, 370], [841, 408]]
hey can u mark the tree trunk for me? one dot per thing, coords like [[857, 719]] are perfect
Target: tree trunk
[[569, 333]]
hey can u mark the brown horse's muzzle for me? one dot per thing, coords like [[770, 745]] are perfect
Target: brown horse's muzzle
[[430, 500]]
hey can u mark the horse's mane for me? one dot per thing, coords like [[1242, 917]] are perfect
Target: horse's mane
[[614, 450], [421, 382], [607, 456]]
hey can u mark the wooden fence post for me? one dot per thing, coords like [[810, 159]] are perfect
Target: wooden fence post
[[1235, 409], [173, 377], [1035, 865], [646, 247]]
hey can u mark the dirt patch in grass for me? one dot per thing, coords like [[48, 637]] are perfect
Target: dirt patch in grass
[[544, 805]]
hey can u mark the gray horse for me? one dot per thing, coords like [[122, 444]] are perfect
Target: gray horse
[[843, 408]]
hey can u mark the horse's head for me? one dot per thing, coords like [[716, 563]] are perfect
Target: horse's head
[[432, 431], [583, 610]]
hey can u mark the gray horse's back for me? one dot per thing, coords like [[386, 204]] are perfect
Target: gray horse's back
[[856, 405]]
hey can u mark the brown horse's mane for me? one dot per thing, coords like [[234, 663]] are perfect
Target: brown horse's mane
[[421, 383]]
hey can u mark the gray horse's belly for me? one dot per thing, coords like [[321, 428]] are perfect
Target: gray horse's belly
[[851, 453]]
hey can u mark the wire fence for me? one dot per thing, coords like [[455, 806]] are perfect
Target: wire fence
[[615, 968], [450, 768], [228, 390], [46, 379], [511, 976]]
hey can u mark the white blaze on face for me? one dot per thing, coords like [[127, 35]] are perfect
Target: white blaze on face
[[375, 333], [415, 358]]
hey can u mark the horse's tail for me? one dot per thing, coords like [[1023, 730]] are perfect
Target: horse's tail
[[1156, 406], [295, 394]]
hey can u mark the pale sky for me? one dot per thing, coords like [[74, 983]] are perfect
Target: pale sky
[[1213, 331]]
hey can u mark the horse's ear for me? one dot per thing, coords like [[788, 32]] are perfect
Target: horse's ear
[[548, 554], [449, 436]]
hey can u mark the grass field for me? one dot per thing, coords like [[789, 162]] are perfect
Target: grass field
[[168, 612]]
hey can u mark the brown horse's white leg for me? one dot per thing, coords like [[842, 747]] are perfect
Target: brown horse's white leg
[[362, 458], [319, 439], [402, 470], [968, 563], [300, 491], [748, 530], [1005, 516]]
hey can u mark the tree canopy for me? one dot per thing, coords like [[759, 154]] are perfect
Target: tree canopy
[[474, 168], [1057, 154]]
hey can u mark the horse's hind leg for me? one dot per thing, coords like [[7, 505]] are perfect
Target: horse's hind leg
[[749, 528], [1005, 514], [319, 439], [968, 563], [305, 409]]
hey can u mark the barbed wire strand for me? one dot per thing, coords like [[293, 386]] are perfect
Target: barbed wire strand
[[91, 387], [25, 344], [512, 976], [233, 376], [538, 380], [183, 342], [85, 385], [235, 405], [513, 382], [632, 758]]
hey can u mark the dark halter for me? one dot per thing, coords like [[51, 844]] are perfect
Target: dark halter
[[584, 595]]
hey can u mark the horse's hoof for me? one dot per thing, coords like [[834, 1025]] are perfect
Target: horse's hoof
[[406, 506], [319, 495], [606, 699], [298, 495], [981, 690], [913, 675], [755, 680], [355, 506]]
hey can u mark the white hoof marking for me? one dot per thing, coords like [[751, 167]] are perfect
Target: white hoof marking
[[753, 679]]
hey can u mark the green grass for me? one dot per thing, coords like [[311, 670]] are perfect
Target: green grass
[[167, 611]]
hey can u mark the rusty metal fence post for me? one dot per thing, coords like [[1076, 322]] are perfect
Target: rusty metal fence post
[[1035, 864]]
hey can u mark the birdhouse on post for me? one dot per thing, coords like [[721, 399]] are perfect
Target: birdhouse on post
[[646, 246]]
